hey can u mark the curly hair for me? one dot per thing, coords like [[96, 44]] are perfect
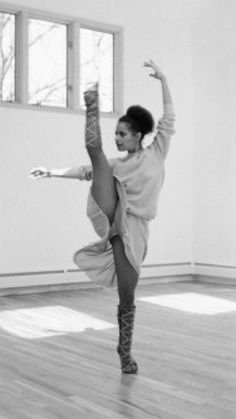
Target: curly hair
[[139, 119]]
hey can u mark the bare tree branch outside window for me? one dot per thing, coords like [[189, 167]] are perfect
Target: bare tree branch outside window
[[96, 64], [7, 57], [47, 63], [47, 49]]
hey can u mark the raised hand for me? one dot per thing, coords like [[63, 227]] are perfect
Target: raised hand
[[157, 72], [39, 173]]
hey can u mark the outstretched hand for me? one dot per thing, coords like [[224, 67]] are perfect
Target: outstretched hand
[[39, 173], [157, 72]]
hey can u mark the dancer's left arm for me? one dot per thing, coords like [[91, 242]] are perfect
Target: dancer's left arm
[[165, 127]]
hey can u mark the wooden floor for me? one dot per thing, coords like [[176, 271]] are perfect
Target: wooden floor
[[187, 360]]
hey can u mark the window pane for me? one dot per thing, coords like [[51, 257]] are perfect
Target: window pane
[[47, 63], [7, 57], [96, 64]]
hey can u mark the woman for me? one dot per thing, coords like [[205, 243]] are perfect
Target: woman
[[122, 201]]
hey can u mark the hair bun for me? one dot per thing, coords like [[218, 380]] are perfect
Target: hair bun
[[143, 118]]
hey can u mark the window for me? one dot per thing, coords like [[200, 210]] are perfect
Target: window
[[96, 64], [49, 62], [7, 57]]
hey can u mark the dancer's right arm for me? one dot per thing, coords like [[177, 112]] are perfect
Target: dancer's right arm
[[81, 173]]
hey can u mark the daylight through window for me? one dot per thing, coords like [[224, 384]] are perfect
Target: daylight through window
[[7, 57], [49, 61], [96, 64]]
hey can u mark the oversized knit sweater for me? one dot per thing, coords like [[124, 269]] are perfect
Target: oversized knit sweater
[[141, 174]]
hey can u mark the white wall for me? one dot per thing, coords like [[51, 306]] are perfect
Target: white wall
[[43, 223], [214, 73]]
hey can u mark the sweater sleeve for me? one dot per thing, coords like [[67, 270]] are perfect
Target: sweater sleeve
[[85, 173], [165, 129]]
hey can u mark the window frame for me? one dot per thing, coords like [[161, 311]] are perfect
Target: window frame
[[22, 14]]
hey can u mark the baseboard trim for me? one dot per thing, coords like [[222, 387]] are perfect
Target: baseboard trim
[[37, 289], [214, 270], [77, 270], [200, 279], [166, 270], [214, 280], [70, 279], [60, 276], [214, 265], [31, 273]]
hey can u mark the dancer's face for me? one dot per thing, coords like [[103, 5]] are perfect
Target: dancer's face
[[126, 139]]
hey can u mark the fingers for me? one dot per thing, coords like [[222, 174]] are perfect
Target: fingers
[[38, 169], [157, 73], [38, 173], [35, 177], [32, 171], [149, 63], [152, 65], [35, 173]]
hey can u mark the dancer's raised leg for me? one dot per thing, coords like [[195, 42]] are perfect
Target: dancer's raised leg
[[103, 185]]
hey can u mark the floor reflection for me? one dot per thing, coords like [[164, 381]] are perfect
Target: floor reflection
[[125, 395]]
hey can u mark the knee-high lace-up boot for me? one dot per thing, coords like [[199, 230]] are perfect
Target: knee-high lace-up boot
[[92, 128], [125, 317]]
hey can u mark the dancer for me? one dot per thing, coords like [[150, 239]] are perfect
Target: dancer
[[122, 200]]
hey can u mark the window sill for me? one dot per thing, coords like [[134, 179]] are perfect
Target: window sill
[[57, 109]]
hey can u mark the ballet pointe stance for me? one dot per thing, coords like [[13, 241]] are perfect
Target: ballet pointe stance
[[105, 194]]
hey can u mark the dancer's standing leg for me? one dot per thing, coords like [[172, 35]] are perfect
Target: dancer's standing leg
[[127, 279]]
